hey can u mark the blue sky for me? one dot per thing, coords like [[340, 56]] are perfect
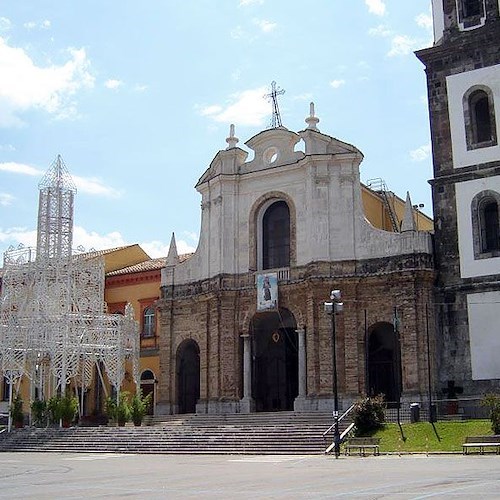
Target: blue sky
[[138, 96]]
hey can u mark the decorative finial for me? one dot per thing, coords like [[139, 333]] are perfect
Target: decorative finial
[[273, 96], [173, 256], [232, 140], [312, 120], [408, 223]]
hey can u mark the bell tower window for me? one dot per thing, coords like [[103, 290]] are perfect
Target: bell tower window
[[471, 14], [276, 236], [489, 226], [486, 224], [479, 113]]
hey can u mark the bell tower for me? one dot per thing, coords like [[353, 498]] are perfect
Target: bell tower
[[463, 83]]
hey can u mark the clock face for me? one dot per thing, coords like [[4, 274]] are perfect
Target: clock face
[[270, 155]]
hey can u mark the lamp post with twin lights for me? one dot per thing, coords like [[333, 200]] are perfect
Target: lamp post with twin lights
[[332, 308]]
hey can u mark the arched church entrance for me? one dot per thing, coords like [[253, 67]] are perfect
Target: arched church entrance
[[188, 376], [275, 360], [383, 362], [148, 387]]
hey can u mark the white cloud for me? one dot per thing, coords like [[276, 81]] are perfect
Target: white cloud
[[6, 199], [421, 153], [45, 24], [157, 248], [25, 86], [5, 24], [210, 110], [18, 235], [380, 30], [141, 88], [246, 3], [19, 168], [337, 83], [92, 239], [113, 84], [307, 96], [402, 45], [93, 185], [89, 185], [237, 33], [424, 21], [265, 25], [7, 147], [244, 108], [376, 7]]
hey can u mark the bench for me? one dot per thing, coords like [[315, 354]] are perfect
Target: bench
[[362, 444], [480, 443]]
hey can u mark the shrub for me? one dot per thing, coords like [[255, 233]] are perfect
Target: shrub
[[369, 415], [16, 411], [62, 408], [39, 412], [139, 406], [492, 401], [119, 412]]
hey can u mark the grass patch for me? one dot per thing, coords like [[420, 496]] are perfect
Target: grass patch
[[423, 436]]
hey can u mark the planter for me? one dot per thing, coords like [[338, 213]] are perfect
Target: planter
[[138, 423]]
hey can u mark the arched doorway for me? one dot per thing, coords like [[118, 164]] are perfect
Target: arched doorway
[[275, 360], [188, 376], [383, 362], [148, 387]]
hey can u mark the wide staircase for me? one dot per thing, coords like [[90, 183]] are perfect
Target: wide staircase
[[285, 433]]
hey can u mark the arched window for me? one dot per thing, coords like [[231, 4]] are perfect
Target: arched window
[[147, 375], [488, 216], [276, 236], [479, 112], [486, 224], [148, 327]]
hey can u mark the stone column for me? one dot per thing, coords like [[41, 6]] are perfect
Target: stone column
[[247, 403], [299, 403]]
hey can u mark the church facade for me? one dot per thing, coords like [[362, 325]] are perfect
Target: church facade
[[463, 76], [242, 322]]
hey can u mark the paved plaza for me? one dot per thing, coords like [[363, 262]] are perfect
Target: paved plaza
[[76, 476]]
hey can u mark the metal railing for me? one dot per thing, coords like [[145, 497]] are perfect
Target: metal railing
[[329, 448]]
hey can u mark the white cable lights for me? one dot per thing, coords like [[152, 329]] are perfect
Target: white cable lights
[[53, 322]]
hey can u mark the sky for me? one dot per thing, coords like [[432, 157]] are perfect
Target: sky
[[138, 96]]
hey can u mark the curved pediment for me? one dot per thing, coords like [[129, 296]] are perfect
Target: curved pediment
[[272, 148]]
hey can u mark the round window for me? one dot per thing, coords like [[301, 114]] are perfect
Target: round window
[[271, 155]]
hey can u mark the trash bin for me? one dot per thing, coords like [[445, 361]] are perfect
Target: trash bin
[[414, 412]]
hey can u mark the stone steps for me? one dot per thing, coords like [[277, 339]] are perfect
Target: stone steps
[[286, 433]]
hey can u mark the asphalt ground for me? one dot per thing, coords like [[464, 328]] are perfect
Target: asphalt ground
[[77, 476]]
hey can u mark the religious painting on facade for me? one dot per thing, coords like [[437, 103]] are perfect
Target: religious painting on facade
[[267, 292]]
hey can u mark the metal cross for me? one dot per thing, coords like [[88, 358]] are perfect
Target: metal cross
[[273, 96]]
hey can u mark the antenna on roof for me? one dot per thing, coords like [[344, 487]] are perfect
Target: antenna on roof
[[273, 96]]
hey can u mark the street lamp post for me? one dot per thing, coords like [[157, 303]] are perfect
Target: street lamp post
[[332, 308]]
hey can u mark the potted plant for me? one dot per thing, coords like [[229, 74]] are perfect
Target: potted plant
[[122, 409], [53, 410], [138, 407], [62, 408], [68, 408], [39, 412], [16, 412], [110, 410]]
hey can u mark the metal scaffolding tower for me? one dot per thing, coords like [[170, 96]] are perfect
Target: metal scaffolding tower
[[53, 322]]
